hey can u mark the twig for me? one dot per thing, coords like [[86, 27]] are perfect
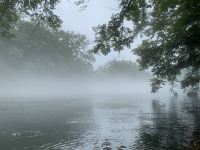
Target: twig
[[37, 25]]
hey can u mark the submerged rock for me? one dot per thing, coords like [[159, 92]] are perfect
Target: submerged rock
[[106, 143], [107, 148], [121, 147]]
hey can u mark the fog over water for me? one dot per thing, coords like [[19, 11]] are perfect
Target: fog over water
[[56, 94], [53, 99], [51, 115], [82, 111], [51, 87], [106, 109]]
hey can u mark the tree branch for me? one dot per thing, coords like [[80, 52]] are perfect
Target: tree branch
[[37, 25]]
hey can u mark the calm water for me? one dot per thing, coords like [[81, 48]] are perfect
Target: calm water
[[103, 123]]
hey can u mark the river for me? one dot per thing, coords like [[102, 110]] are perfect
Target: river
[[100, 123]]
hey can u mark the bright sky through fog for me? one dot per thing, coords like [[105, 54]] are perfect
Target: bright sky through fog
[[97, 12]]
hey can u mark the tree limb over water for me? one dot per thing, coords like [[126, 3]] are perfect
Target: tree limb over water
[[11, 11]]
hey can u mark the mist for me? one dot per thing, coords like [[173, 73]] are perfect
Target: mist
[[99, 75], [71, 87], [52, 96], [59, 64]]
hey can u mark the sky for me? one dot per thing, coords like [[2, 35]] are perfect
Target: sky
[[82, 21]]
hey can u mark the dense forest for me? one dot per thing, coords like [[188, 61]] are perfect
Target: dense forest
[[44, 52]]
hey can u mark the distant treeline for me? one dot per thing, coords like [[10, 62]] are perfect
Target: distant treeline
[[43, 51], [121, 69]]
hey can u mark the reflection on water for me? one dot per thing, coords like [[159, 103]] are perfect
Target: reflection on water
[[172, 128], [100, 124]]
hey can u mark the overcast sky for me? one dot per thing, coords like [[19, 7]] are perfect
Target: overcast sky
[[97, 12]]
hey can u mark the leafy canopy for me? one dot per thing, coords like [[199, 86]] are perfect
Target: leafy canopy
[[44, 52], [171, 44], [11, 11]]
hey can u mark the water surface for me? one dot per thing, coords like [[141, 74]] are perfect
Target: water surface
[[97, 123]]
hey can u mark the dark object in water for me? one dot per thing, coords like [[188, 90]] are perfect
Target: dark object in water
[[121, 147], [107, 148]]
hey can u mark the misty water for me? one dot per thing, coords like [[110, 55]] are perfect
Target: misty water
[[94, 118], [78, 74]]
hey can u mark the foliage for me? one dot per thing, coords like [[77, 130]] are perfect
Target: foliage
[[45, 51], [171, 29], [122, 68], [43, 10]]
